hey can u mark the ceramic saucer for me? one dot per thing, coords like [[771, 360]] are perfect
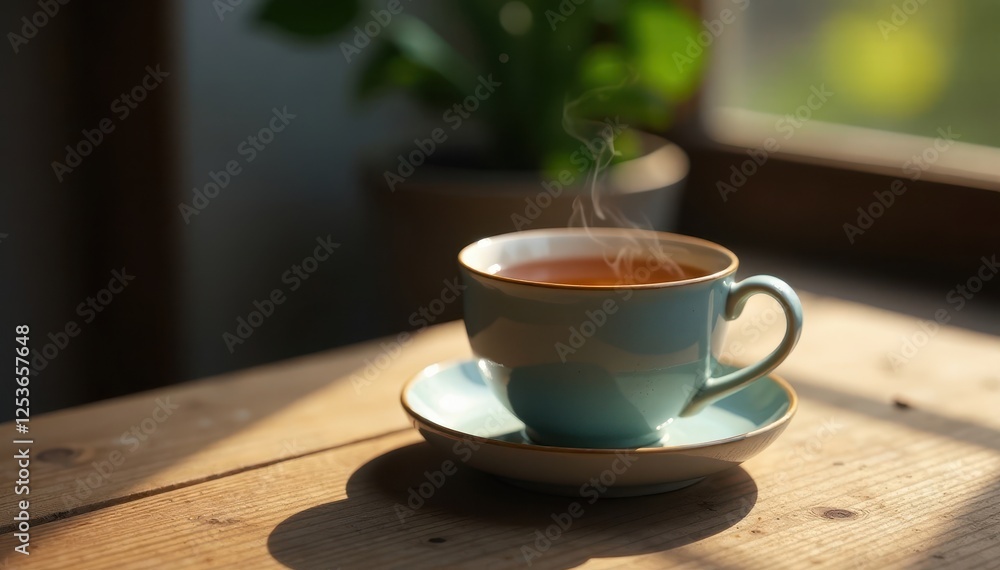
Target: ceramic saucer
[[454, 410]]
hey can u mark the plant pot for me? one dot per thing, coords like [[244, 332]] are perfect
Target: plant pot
[[439, 210]]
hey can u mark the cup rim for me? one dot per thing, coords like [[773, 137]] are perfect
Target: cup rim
[[598, 232]]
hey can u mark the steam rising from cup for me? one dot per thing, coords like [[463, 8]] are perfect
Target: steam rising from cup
[[599, 139]]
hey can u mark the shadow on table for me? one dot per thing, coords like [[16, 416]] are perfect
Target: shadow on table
[[473, 519]]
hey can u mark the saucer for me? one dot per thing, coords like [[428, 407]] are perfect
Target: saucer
[[455, 411]]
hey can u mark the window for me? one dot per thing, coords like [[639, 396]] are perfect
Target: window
[[881, 84]]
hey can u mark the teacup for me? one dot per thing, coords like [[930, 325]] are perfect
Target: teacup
[[611, 365]]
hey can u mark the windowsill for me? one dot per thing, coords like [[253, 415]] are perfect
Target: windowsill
[[921, 300]]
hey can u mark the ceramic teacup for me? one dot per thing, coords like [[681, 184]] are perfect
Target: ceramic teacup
[[609, 366]]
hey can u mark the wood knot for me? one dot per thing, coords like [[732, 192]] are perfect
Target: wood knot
[[901, 404], [837, 514], [60, 456]]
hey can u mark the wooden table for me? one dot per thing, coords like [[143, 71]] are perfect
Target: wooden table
[[303, 463]]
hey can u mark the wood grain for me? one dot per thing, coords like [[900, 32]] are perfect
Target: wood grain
[[883, 467], [832, 494], [221, 425]]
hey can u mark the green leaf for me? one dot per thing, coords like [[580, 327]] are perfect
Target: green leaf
[[628, 145], [603, 64], [420, 43], [314, 19], [634, 104], [657, 35], [612, 88], [384, 71], [608, 11], [390, 70]]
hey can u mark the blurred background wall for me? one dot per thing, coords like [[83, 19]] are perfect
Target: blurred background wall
[[224, 79], [301, 186], [70, 227]]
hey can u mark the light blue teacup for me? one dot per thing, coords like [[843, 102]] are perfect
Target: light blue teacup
[[609, 366]]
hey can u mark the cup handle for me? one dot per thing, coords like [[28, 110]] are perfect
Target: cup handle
[[739, 293]]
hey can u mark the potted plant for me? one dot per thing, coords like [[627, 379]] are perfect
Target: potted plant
[[539, 115]]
